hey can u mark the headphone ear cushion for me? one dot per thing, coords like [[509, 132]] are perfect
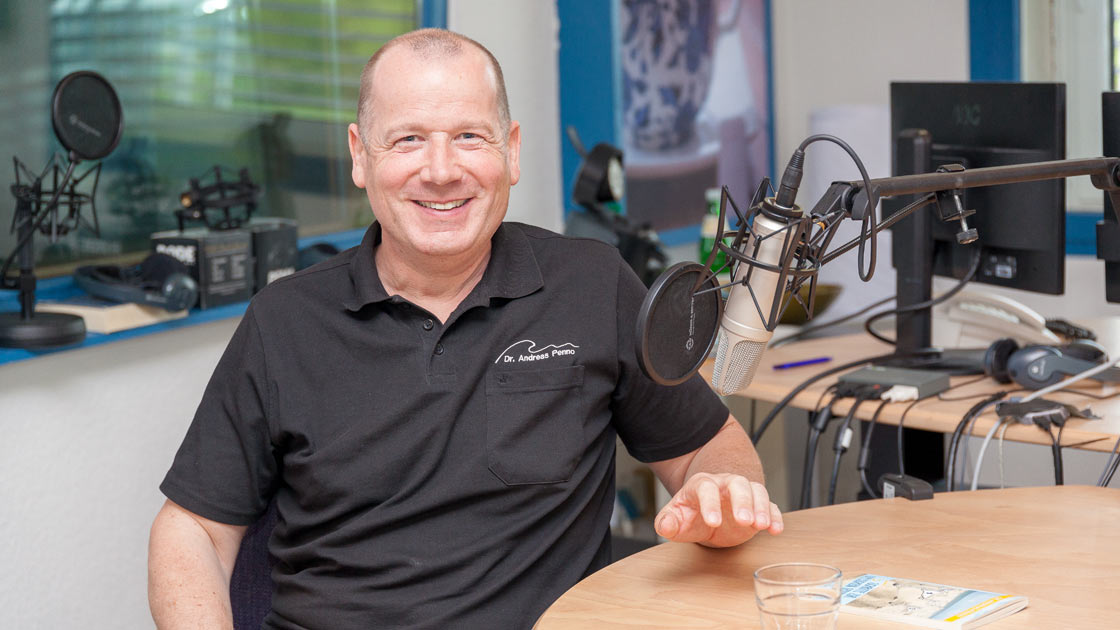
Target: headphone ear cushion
[[315, 253], [157, 268], [996, 357], [180, 290]]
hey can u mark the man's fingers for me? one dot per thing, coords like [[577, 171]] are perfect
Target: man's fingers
[[722, 510], [681, 523], [742, 500], [761, 506], [776, 522], [667, 524], [708, 498]]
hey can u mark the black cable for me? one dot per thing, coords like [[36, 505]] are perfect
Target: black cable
[[923, 305], [1115, 463], [865, 450], [805, 330], [1108, 464], [816, 419], [831, 389], [1056, 446], [954, 442], [838, 444], [894, 218], [901, 420], [817, 425], [868, 225], [806, 383]]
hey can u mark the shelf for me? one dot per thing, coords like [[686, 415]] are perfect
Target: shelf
[[64, 288]]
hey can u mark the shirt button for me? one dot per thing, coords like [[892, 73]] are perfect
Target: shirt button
[[439, 348], [428, 324]]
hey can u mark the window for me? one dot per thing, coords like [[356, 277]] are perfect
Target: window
[[265, 84], [1114, 44]]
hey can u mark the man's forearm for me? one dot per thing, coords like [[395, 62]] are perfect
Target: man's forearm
[[729, 451], [719, 499], [188, 583]]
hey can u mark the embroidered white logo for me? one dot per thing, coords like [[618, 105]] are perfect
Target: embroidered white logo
[[530, 352]]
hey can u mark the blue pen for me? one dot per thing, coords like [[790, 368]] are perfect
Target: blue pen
[[793, 364]]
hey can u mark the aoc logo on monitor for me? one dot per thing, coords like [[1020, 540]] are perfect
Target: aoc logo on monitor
[[967, 115]]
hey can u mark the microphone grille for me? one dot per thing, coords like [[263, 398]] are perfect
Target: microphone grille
[[734, 373]]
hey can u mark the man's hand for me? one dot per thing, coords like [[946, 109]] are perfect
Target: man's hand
[[718, 510]]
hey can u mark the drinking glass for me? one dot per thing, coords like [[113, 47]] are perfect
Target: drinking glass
[[797, 596]]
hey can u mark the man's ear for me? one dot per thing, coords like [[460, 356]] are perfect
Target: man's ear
[[357, 156], [513, 152]]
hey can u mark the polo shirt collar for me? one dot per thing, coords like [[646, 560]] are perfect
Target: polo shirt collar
[[512, 271]]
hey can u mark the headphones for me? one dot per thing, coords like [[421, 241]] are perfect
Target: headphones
[[159, 280], [316, 253], [1038, 366]]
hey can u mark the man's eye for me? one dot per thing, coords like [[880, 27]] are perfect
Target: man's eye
[[409, 139], [470, 136]]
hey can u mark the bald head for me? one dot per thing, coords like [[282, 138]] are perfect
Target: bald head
[[432, 45]]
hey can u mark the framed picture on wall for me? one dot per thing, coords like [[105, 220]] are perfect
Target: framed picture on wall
[[695, 107]]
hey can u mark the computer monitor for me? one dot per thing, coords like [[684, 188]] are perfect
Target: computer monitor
[[1108, 235], [1021, 227]]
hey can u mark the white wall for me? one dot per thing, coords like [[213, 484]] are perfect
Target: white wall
[[836, 53], [833, 64], [87, 437], [524, 37]]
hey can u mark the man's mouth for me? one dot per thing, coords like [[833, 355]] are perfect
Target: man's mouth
[[446, 205]]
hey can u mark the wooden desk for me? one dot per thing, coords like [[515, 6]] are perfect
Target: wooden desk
[[932, 414], [1059, 546]]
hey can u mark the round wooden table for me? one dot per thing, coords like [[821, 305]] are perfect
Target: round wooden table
[[1059, 546]]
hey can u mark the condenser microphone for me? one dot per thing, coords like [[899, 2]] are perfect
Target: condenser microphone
[[683, 317], [743, 334]]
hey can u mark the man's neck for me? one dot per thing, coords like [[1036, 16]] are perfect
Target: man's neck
[[435, 283]]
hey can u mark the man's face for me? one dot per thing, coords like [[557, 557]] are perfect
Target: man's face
[[435, 163]]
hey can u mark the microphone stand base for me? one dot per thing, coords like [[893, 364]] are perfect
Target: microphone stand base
[[41, 330]]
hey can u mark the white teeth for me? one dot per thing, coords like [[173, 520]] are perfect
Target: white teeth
[[442, 206]]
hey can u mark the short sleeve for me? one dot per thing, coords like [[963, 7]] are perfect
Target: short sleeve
[[657, 422], [226, 468]]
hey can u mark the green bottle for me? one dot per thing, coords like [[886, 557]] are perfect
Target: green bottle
[[709, 227]]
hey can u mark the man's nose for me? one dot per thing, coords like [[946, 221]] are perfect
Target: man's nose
[[443, 164]]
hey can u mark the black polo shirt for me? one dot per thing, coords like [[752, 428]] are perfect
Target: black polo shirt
[[455, 475]]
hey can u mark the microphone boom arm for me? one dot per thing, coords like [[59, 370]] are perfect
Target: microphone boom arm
[[850, 197]]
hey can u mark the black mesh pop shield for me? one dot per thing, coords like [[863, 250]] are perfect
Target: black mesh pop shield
[[678, 322], [86, 115]]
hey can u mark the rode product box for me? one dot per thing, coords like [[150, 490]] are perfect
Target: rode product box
[[275, 249], [221, 262]]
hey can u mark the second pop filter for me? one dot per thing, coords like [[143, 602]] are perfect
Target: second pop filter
[[86, 115]]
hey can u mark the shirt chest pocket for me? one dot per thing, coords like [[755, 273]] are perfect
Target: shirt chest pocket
[[534, 424]]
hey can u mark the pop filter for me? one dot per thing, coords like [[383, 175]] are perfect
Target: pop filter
[[677, 323], [86, 115]]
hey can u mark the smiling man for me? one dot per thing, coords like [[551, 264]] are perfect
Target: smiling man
[[434, 412]]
